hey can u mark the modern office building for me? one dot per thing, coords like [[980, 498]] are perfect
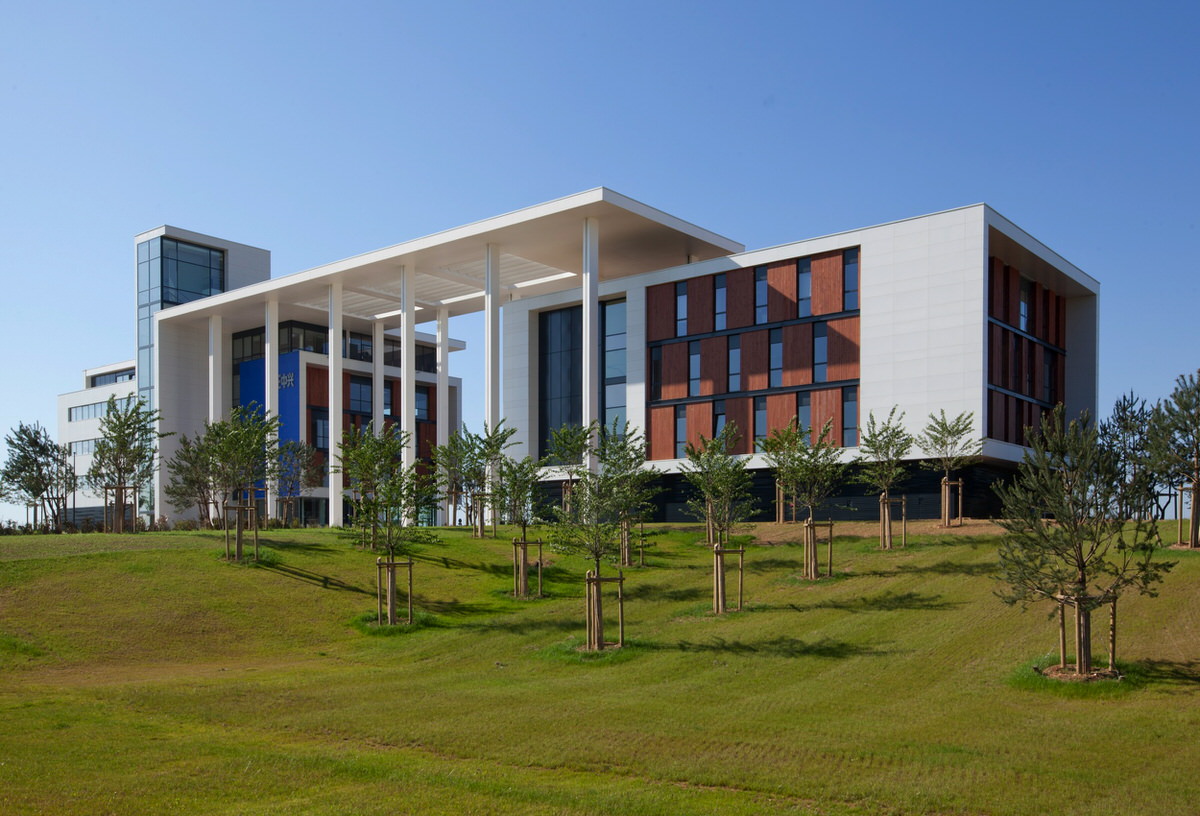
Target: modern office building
[[613, 310]]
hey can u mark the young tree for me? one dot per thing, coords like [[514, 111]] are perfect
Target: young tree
[[949, 443], [1175, 442], [492, 444], [299, 471], [191, 475], [37, 473], [1065, 540], [783, 449], [367, 459], [722, 495], [124, 458], [517, 491], [621, 457], [569, 448], [451, 461], [811, 473], [1126, 434], [245, 452], [882, 449]]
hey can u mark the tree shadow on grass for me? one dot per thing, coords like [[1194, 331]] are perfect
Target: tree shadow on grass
[[885, 602], [781, 646], [984, 570], [661, 592], [522, 627], [291, 546], [314, 578], [760, 565], [457, 608], [1180, 673]]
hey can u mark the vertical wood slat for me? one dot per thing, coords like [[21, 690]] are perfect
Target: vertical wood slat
[[662, 433], [1013, 297], [740, 411], [755, 360], [699, 421], [1052, 317], [739, 298], [700, 304], [714, 365], [996, 289], [1061, 341], [843, 349], [797, 354], [827, 283], [660, 311], [317, 385], [827, 406], [1036, 311], [781, 291], [781, 411], [674, 370]]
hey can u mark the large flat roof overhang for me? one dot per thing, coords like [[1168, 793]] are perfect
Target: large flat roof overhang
[[540, 251]]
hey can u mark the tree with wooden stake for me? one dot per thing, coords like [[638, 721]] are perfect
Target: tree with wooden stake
[[299, 471], [450, 463], [401, 493], [621, 456], [37, 473], [518, 492], [811, 473], [588, 526], [882, 449], [124, 457], [1175, 443], [244, 452], [492, 444], [722, 500], [951, 446], [569, 448], [191, 478], [1065, 540]]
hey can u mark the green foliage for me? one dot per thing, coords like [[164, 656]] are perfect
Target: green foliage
[[948, 442], [882, 449], [37, 472], [124, 457], [721, 481], [299, 471], [191, 477], [809, 471], [1127, 436], [1174, 443], [517, 491], [387, 496]]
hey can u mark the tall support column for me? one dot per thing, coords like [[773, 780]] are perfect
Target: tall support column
[[491, 337], [408, 370], [442, 395], [377, 384], [217, 403], [591, 324], [336, 403], [271, 384]]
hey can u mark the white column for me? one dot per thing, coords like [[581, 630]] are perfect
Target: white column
[[335, 402], [271, 379], [408, 370], [377, 376], [217, 403], [442, 395], [491, 337], [591, 322]]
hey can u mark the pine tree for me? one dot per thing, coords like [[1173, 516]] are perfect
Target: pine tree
[[948, 442]]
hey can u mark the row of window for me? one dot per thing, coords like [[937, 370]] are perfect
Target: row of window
[[124, 375], [820, 362], [83, 447], [803, 419], [95, 410], [761, 289], [360, 404], [296, 336]]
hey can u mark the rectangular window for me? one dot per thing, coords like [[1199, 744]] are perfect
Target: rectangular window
[[804, 288], [735, 363], [776, 379], [820, 352], [680, 431], [760, 421], [248, 345], [1026, 297], [694, 368], [850, 416], [718, 417], [681, 309], [318, 435], [560, 371], [719, 302], [421, 396], [360, 395], [656, 373], [612, 396], [850, 279], [124, 375], [358, 347], [387, 399], [760, 294], [804, 413]]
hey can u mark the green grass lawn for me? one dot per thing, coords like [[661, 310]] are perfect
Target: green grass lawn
[[144, 674]]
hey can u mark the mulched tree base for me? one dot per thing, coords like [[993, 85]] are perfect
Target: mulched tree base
[[1067, 674]]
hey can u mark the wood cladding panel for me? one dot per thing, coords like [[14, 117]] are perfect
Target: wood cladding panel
[[797, 354], [714, 365], [827, 283], [781, 411], [699, 422], [756, 350], [1012, 296], [661, 443], [843, 348], [700, 305], [827, 407], [740, 412], [739, 298], [317, 385], [1052, 318], [996, 289], [675, 371], [1061, 336], [781, 291], [660, 311]]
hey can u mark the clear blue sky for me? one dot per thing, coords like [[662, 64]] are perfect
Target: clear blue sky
[[321, 130]]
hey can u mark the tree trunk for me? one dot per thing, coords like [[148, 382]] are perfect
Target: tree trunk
[[1062, 636], [598, 610], [1083, 637], [1194, 521], [391, 591], [1112, 635]]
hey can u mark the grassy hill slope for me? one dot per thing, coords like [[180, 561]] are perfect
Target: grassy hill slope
[[145, 674]]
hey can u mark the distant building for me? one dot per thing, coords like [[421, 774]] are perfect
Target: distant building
[[615, 311]]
